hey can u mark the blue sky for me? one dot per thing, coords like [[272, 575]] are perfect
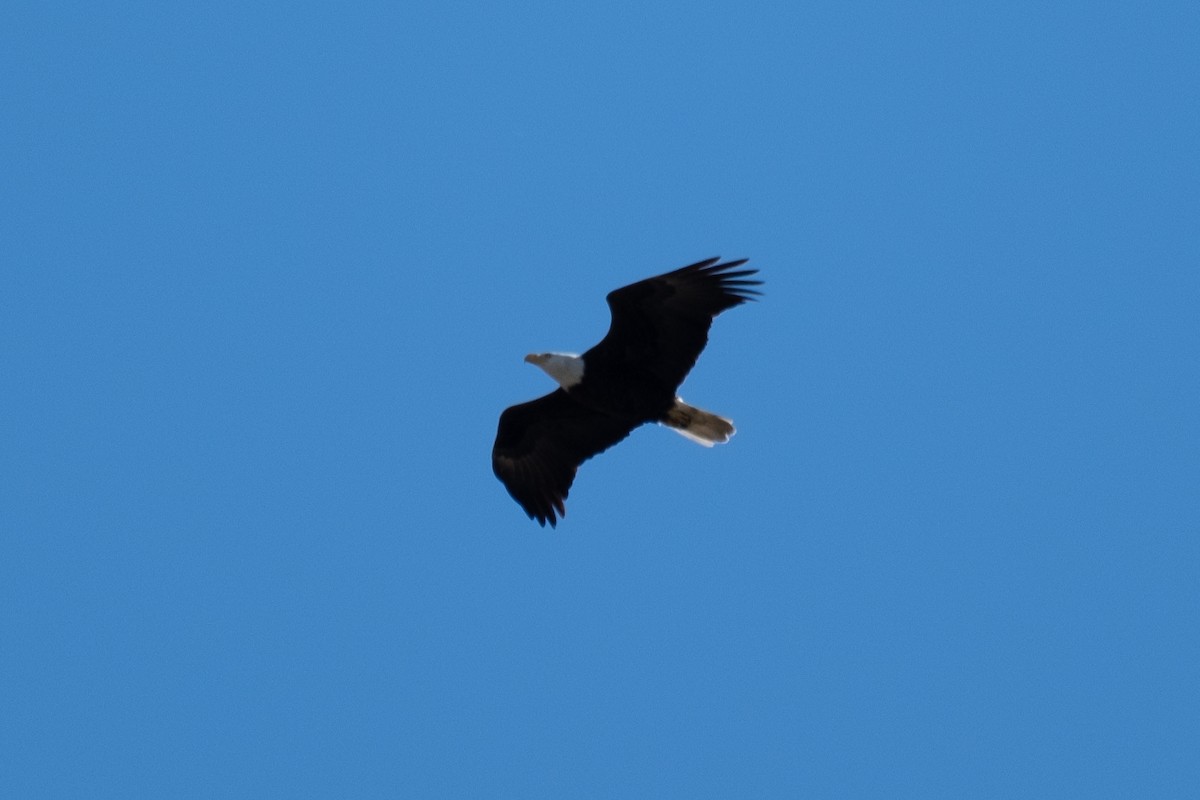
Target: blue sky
[[270, 273]]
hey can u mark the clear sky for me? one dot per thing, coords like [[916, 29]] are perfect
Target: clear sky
[[270, 270]]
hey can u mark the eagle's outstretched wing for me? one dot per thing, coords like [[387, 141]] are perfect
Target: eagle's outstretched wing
[[539, 446], [661, 324]]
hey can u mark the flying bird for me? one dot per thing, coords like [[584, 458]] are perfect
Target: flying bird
[[659, 328]]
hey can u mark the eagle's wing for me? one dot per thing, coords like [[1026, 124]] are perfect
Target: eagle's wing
[[539, 446], [661, 324]]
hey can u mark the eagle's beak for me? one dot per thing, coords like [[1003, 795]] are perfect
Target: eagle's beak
[[531, 358]]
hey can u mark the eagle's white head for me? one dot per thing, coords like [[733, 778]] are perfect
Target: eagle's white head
[[566, 368]]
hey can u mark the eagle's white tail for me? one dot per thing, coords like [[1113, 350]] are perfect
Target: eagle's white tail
[[702, 427]]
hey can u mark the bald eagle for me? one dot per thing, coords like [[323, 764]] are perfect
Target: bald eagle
[[659, 328]]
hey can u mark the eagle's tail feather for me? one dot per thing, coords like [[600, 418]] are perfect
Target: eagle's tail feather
[[702, 427]]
